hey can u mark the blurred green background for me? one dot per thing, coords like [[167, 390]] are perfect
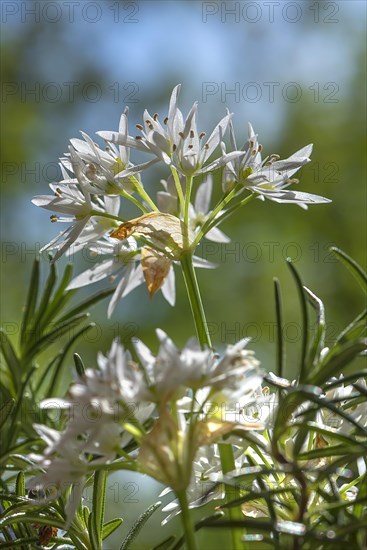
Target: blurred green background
[[295, 70]]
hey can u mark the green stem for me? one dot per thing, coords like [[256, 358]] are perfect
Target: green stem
[[206, 226], [232, 209], [134, 201], [105, 215], [186, 213], [187, 521], [235, 514], [178, 189], [144, 195], [196, 304]]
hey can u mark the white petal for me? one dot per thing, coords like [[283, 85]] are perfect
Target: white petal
[[169, 288], [216, 137], [94, 274], [200, 262], [204, 195], [217, 236]]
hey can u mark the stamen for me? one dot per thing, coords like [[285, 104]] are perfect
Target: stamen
[[139, 127], [260, 148], [165, 120], [203, 134], [174, 147], [192, 134], [253, 152], [181, 134], [206, 146], [155, 116], [138, 138], [191, 146], [251, 143], [53, 218]]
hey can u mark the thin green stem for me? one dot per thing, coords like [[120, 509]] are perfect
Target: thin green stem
[[186, 213], [134, 201], [232, 209], [235, 514], [196, 304], [221, 204], [187, 521], [105, 215], [178, 189], [144, 195]]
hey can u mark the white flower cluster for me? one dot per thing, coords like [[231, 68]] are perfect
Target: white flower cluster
[[111, 410], [96, 180]]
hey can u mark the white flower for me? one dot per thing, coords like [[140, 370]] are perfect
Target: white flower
[[172, 370], [178, 144], [77, 205], [99, 403], [64, 465], [101, 168], [271, 177]]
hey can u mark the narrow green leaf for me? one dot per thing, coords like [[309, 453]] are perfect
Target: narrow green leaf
[[319, 338], [48, 369], [362, 493], [99, 497], [85, 511], [302, 298], [24, 517], [20, 542], [355, 329], [93, 535], [79, 365], [86, 304], [60, 298], [333, 364], [330, 433], [110, 527], [12, 361], [31, 301], [322, 402], [51, 337], [344, 379], [138, 525], [19, 484], [62, 356], [14, 428], [279, 320], [45, 301], [354, 268], [6, 411], [335, 450]]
